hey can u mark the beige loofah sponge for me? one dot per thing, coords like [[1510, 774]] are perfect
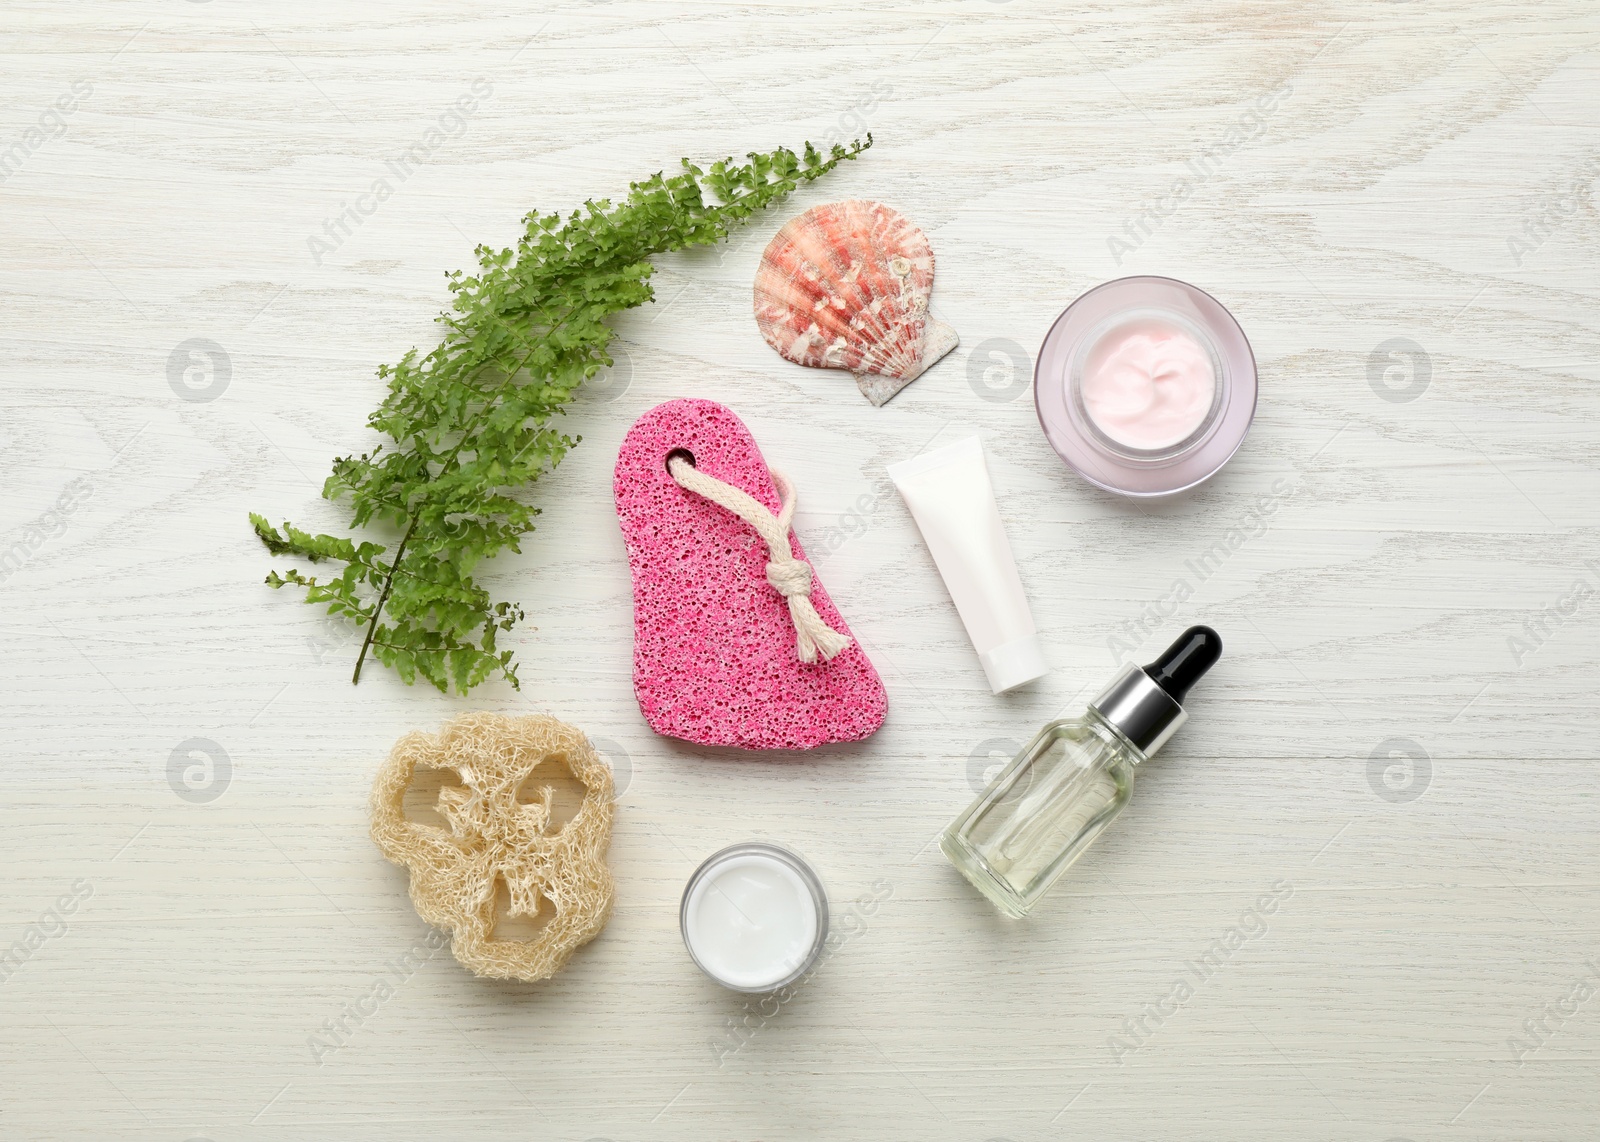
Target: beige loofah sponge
[[493, 835]]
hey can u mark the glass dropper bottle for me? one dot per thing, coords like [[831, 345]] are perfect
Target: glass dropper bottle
[[1048, 805]]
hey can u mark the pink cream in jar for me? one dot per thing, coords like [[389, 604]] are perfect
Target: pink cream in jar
[[1145, 386]]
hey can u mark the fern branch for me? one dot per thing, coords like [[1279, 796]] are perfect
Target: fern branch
[[470, 421]]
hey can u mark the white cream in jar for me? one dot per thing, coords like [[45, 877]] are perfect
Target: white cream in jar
[[754, 917]]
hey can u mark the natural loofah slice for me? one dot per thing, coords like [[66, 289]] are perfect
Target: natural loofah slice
[[558, 875], [724, 651]]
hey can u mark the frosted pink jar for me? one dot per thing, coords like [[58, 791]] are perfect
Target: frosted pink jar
[[1145, 386]]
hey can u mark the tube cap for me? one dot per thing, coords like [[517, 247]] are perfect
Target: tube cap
[[1011, 664]]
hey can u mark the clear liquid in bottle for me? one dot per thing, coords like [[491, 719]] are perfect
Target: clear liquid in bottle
[[1049, 804]]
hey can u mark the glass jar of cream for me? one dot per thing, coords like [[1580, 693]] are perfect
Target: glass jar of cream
[[1145, 386], [754, 917]]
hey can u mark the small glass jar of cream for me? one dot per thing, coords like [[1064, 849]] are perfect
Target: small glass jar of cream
[[1145, 386], [754, 917]]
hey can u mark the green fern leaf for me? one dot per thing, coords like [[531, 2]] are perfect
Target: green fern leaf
[[470, 422]]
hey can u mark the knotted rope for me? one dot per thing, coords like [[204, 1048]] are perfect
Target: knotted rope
[[788, 576]]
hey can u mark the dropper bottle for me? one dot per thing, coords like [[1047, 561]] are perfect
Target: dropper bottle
[[1048, 805]]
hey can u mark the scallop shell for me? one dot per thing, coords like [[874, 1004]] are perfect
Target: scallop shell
[[845, 286]]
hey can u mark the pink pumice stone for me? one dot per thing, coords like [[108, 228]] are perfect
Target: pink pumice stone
[[714, 658]]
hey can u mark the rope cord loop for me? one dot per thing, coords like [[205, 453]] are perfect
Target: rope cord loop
[[790, 577]]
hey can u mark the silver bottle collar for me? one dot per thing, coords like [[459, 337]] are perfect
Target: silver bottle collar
[[1140, 710]]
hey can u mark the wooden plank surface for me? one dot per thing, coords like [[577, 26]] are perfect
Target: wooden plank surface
[[1423, 184]]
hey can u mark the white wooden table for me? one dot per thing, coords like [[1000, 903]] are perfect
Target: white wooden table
[[1408, 236]]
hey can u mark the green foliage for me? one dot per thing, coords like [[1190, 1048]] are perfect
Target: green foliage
[[470, 422]]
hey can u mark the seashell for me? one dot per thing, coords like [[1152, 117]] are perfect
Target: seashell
[[845, 286]]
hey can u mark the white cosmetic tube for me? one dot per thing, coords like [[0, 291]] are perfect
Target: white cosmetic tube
[[952, 500]]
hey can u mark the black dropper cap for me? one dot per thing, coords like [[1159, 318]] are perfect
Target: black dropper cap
[[1196, 651]]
